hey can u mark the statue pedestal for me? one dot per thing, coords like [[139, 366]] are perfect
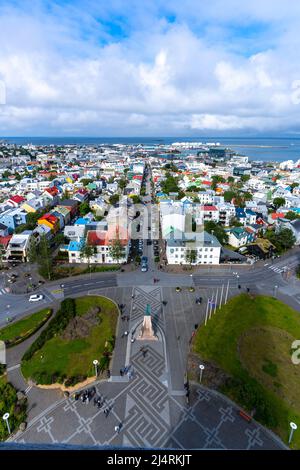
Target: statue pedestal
[[147, 332]]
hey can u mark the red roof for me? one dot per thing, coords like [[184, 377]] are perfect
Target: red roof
[[53, 190], [17, 199], [49, 217], [4, 241], [96, 237], [209, 208], [277, 215], [207, 182]]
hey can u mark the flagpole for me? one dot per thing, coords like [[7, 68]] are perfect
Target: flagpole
[[217, 294], [206, 311], [220, 305], [226, 297]]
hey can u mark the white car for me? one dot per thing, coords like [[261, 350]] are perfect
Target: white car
[[35, 297]]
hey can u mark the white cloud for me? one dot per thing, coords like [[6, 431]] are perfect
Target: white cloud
[[163, 79]]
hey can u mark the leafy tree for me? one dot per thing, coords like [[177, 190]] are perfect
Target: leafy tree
[[215, 180], [230, 179], [282, 240], [234, 222], [87, 251], [86, 181], [247, 196], [217, 230], [44, 258], [245, 178], [170, 185], [122, 183], [84, 208], [229, 195], [191, 256], [116, 250], [33, 253], [278, 202], [114, 199], [291, 215]]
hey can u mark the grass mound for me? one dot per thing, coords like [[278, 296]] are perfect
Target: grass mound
[[250, 341]]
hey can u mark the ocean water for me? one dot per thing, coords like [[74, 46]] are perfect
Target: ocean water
[[256, 148]]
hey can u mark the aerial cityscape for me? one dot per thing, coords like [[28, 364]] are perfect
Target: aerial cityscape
[[150, 283]]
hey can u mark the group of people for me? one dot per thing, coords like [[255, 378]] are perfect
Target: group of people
[[127, 370]]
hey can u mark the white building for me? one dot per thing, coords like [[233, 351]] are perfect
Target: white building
[[206, 247]]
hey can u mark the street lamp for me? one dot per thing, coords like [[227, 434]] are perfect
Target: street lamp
[[275, 291], [293, 427], [5, 417], [96, 363], [201, 367]]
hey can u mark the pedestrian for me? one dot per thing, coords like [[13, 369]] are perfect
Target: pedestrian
[[178, 338], [117, 429], [121, 372], [132, 296], [126, 333]]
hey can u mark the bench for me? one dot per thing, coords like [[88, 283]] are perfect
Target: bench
[[245, 416]]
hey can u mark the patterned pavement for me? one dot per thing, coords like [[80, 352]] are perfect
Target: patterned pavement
[[150, 413]]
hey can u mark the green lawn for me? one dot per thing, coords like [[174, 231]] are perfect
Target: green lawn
[[73, 358], [25, 327], [8, 404], [250, 339]]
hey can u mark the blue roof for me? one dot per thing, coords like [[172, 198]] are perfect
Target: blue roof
[[75, 246], [81, 221]]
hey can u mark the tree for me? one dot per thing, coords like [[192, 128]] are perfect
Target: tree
[[87, 251], [215, 180], [84, 208], [245, 178], [229, 195], [116, 250], [291, 215], [234, 222], [33, 254], [282, 240], [230, 179], [122, 183], [191, 256], [217, 230], [135, 199], [278, 202], [114, 199], [247, 196], [45, 258], [170, 185]]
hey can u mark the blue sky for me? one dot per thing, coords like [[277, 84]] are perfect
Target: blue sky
[[138, 68]]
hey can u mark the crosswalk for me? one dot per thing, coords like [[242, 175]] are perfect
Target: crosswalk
[[3, 291], [276, 269]]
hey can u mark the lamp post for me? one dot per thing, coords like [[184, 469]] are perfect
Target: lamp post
[[201, 367], [275, 291], [293, 427], [5, 417], [96, 363]]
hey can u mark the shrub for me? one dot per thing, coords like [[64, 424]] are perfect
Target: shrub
[[104, 363]]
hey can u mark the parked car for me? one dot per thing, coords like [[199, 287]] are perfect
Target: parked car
[[36, 298]]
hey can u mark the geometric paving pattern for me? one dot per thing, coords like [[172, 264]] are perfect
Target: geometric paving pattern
[[151, 417]]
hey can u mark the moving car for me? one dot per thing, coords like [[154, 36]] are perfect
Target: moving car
[[36, 298], [144, 262]]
